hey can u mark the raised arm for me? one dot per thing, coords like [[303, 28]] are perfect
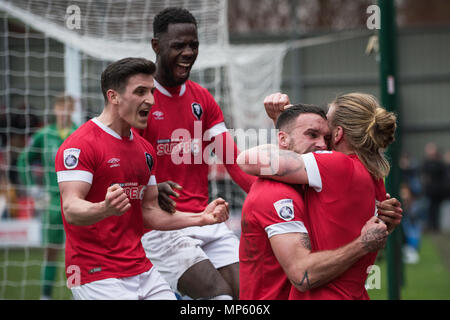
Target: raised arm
[[156, 218], [275, 104], [270, 162], [308, 270]]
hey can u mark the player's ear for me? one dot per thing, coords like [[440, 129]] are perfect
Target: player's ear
[[155, 45], [113, 96], [283, 139], [338, 134]]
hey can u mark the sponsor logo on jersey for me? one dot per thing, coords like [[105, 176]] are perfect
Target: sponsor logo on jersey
[[133, 190], [285, 209], [114, 162], [158, 115], [168, 147], [197, 110], [149, 160], [71, 156]]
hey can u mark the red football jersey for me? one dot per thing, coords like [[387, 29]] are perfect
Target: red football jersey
[[270, 208], [110, 248], [180, 126], [340, 199]]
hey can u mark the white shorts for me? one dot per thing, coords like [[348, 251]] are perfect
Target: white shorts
[[173, 252], [145, 286]]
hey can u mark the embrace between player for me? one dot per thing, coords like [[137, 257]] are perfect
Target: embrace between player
[[106, 157], [319, 233]]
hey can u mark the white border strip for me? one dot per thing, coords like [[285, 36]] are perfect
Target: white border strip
[[75, 175], [285, 227], [312, 170]]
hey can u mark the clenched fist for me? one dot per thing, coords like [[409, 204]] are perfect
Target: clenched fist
[[275, 104], [374, 234], [216, 212], [116, 201], [391, 212]]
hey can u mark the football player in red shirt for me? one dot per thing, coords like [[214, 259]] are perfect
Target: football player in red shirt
[[344, 186], [198, 262], [274, 222], [106, 176]]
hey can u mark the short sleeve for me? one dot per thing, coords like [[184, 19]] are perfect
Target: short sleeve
[[328, 171], [75, 161], [215, 124], [282, 211]]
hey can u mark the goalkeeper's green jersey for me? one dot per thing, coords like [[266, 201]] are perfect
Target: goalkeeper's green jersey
[[42, 149]]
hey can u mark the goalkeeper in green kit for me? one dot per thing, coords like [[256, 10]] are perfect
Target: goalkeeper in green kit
[[42, 149]]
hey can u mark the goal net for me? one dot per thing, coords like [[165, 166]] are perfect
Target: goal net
[[55, 46]]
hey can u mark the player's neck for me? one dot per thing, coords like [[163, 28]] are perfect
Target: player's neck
[[344, 148], [115, 123], [169, 84]]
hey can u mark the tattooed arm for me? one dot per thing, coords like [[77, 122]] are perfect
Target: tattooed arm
[[307, 270], [268, 161]]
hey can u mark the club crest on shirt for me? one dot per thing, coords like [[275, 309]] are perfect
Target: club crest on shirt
[[285, 209], [197, 110], [71, 156], [149, 160]]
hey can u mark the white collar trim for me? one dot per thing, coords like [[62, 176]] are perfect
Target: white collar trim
[[110, 131], [167, 93]]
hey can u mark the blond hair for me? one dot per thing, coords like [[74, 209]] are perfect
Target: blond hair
[[369, 129]]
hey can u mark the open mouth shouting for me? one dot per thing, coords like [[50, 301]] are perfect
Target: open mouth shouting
[[144, 113], [183, 69]]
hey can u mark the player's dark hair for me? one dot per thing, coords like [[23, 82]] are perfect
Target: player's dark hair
[[116, 75], [171, 15], [292, 113]]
